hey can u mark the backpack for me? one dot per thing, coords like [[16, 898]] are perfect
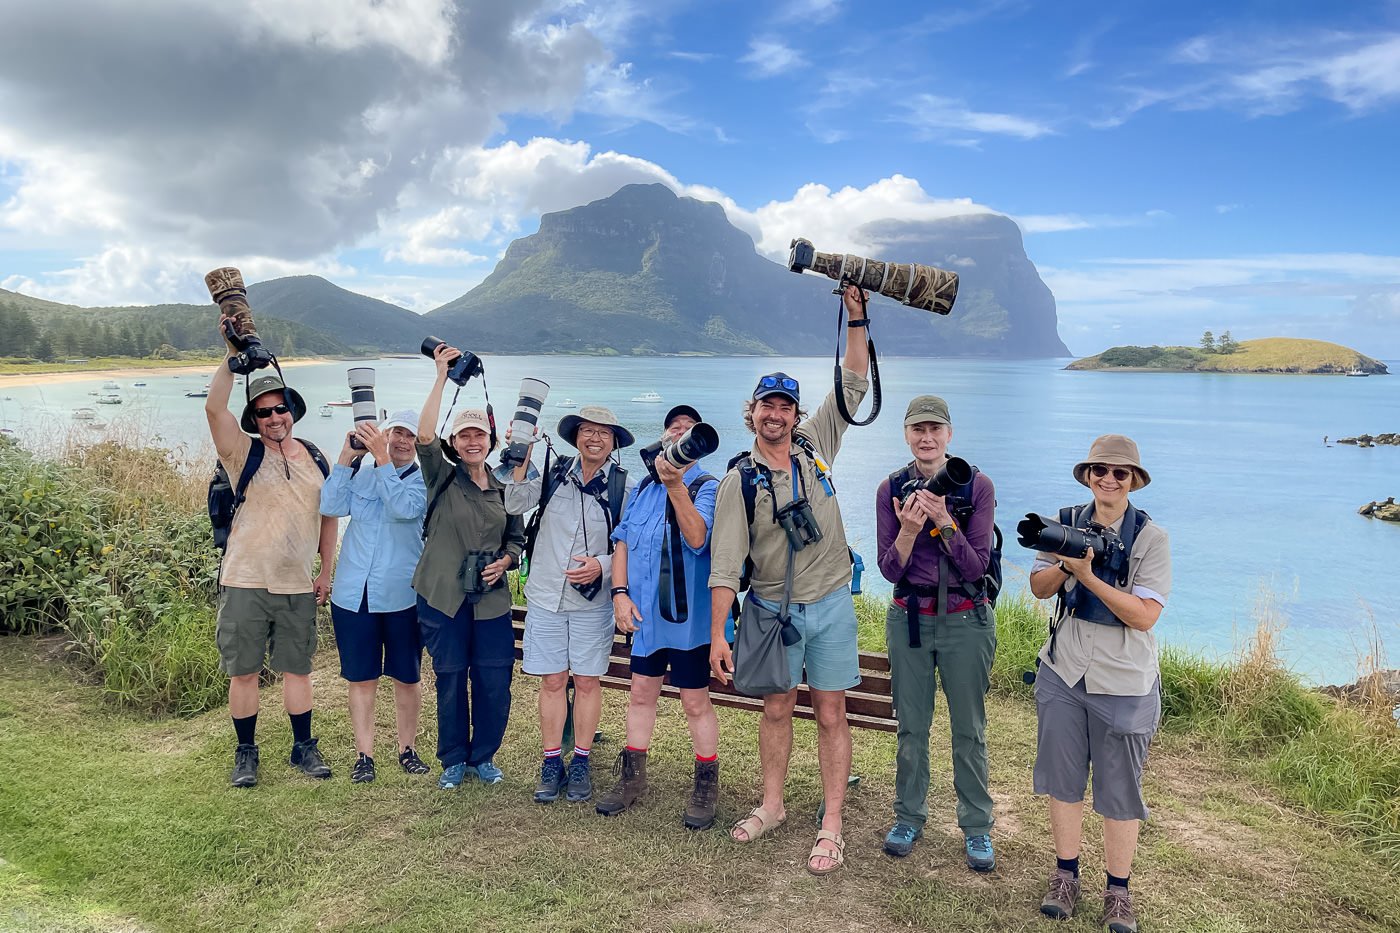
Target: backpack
[[961, 508], [225, 497], [553, 477]]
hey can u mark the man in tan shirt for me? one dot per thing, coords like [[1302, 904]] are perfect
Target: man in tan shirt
[[267, 594], [821, 607]]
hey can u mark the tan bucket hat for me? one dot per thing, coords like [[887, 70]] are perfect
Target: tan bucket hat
[[1114, 450], [568, 425]]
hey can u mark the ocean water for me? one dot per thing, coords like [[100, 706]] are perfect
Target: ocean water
[[1258, 509]]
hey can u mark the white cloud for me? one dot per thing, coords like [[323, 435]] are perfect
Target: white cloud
[[771, 57], [933, 115]]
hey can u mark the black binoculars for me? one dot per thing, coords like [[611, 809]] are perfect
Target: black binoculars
[[473, 566], [799, 523]]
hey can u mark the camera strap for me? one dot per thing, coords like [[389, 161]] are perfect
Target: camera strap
[[874, 366]]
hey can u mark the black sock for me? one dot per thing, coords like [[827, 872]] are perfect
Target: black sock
[[245, 728], [1070, 865], [1115, 880], [301, 726]]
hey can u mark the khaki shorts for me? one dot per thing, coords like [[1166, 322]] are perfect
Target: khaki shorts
[[254, 624]]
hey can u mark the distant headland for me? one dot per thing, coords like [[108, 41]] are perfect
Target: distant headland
[[1266, 355]]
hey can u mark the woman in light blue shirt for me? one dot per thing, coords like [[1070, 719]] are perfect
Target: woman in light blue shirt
[[373, 605]]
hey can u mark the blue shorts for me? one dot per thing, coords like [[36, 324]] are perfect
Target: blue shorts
[[375, 644], [690, 670], [828, 648]]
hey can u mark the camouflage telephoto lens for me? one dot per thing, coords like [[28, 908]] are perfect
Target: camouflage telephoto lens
[[909, 283]]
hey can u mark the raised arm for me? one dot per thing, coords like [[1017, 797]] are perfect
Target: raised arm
[[432, 405], [223, 426]]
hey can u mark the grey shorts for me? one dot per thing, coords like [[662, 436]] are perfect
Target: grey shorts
[[1077, 728], [580, 642], [254, 624]]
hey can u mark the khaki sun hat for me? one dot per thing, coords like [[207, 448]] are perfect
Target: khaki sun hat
[[1114, 450], [263, 385], [597, 414], [927, 408]]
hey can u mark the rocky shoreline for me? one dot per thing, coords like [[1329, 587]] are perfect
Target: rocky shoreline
[[1372, 440]]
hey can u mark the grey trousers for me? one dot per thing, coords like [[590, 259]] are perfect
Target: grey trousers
[[957, 652]]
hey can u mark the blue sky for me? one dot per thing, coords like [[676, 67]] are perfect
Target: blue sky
[[1172, 168]]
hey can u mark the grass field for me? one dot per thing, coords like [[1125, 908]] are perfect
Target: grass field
[[113, 821]]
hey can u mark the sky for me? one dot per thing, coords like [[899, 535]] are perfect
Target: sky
[[1173, 167]]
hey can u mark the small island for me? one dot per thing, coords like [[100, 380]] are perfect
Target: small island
[[1266, 355]]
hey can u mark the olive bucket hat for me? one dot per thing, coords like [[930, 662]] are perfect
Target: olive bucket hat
[[597, 414], [263, 385], [1113, 450]]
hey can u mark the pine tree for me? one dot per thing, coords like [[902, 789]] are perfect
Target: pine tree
[[1208, 342], [1227, 343]]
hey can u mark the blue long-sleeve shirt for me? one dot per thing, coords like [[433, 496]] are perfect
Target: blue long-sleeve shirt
[[384, 539], [643, 529]]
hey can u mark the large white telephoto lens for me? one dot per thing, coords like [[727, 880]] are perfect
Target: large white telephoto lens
[[533, 392]]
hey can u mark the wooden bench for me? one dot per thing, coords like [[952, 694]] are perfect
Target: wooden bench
[[868, 705]]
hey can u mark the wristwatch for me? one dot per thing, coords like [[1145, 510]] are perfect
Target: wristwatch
[[619, 589], [947, 531], [863, 322]]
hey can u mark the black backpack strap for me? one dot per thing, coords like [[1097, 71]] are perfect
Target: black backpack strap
[[617, 496], [250, 466], [674, 603], [319, 457], [437, 494]]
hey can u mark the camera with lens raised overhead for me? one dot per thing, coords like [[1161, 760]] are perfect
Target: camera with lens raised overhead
[[226, 288], [952, 476], [700, 441], [1044, 534], [533, 393], [909, 283], [464, 367], [360, 379]]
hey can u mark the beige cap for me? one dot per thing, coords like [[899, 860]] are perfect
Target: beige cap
[[469, 418], [927, 408]]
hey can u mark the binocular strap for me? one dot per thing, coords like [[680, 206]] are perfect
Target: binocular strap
[[674, 604]]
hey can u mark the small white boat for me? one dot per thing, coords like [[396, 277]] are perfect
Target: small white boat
[[566, 403], [111, 398], [340, 403], [84, 414], [647, 397], [199, 393], [326, 411], [1358, 372], [110, 386], [94, 392]]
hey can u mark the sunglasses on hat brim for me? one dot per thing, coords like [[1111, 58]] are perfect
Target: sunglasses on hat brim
[[786, 383]]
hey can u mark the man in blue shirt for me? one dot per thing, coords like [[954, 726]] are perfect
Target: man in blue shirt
[[373, 606], [661, 597]]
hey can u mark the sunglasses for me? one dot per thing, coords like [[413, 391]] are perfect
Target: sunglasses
[[279, 409], [1121, 474], [773, 382]]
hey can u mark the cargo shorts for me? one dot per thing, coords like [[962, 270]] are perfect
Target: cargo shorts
[[254, 624]]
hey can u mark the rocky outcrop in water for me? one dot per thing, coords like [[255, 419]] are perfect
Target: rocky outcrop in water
[[1368, 440], [1387, 511]]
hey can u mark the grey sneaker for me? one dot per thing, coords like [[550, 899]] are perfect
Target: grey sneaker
[[580, 780], [306, 757], [245, 766], [551, 781], [1118, 913], [1059, 901]]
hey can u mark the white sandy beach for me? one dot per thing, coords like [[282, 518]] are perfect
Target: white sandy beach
[[16, 380]]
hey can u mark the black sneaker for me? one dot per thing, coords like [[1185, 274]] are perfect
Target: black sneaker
[[411, 763], [306, 757], [551, 780], [580, 780], [245, 766], [363, 772]]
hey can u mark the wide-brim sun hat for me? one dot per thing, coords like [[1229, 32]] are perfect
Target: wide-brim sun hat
[[263, 385], [1112, 450], [597, 414]]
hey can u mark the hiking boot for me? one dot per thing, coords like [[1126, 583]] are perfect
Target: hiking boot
[[580, 779], [453, 776], [488, 773], [551, 780], [980, 855], [363, 772], [1059, 901], [1118, 913], [631, 785], [899, 841], [704, 797], [245, 766], [411, 763], [306, 757]]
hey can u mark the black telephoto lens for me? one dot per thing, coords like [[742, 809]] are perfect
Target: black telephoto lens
[[700, 441]]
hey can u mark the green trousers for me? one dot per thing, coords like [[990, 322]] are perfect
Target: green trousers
[[959, 648]]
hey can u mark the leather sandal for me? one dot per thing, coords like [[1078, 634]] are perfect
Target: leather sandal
[[756, 825], [836, 855]]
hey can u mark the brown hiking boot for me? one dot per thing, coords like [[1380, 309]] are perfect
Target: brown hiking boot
[[632, 766], [700, 812], [1118, 913], [1059, 901]]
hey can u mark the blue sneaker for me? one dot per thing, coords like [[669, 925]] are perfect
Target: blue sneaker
[[453, 776], [488, 773], [580, 780], [899, 841], [551, 780], [980, 856]]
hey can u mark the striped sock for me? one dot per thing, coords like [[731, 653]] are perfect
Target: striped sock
[[581, 752], [552, 753]]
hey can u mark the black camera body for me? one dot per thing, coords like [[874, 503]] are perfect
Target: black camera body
[[1041, 534], [951, 477], [589, 590], [251, 355], [700, 441], [463, 367], [473, 566], [799, 524]]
